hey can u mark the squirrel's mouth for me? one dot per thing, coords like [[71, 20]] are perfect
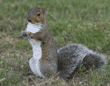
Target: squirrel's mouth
[[29, 20], [34, 21]]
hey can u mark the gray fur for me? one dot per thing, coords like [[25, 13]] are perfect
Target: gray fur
[[71, 55]]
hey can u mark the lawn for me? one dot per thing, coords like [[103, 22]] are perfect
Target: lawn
[[84, 22]]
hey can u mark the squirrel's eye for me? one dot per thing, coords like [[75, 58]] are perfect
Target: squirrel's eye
[[38, 14]]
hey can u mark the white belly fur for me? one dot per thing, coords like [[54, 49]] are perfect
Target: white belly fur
[[37, 51]]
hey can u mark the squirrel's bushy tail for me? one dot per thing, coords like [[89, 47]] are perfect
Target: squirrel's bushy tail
[[70, 56], [94, 61]]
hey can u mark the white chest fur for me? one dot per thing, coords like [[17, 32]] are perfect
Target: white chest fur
[[33, 28], [37, 51], [36, 47]]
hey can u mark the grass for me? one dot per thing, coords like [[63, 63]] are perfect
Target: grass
[[70, 21]]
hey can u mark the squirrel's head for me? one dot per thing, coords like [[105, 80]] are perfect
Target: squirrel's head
[[36, 15]]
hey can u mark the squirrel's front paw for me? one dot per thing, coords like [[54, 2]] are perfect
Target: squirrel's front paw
[[30, 34], [23, 33]]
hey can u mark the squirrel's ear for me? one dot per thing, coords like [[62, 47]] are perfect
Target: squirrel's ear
[[43, 9]]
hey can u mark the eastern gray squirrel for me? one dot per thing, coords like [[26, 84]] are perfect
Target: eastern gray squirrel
[[46, 59]]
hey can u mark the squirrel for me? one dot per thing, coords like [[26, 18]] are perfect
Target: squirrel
[[46, 59]]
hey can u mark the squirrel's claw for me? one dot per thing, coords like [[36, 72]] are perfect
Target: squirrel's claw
[[23, 33]]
